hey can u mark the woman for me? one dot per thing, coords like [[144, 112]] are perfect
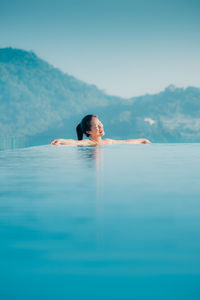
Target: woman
[[92, 127]]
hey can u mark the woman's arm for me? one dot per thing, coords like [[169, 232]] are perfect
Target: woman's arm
[[138, 141], [131, 141], [67, 142]]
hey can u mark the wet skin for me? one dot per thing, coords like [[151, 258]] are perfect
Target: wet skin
[[96, 133]]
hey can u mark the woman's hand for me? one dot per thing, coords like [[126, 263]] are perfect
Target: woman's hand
[[139, 141], [145, 141], [66, 142], [57, 142]]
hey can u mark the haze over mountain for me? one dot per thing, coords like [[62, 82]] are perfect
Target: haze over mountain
[[40, 101]]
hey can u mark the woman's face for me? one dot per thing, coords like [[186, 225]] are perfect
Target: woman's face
[[96, 129]]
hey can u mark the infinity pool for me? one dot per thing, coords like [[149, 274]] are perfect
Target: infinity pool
[[114, 222]]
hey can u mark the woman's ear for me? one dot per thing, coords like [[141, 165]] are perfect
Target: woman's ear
[[88, 132]]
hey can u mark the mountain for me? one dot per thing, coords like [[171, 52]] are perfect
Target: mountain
[[41, 102]]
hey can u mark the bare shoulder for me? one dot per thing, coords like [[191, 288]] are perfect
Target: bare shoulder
[[85, 142], [108, 141]]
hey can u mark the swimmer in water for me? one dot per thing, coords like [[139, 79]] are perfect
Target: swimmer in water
[[92, 127]]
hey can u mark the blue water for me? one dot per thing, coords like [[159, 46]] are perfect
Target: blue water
[[115, 222]]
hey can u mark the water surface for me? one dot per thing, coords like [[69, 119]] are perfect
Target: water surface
[[113, 222]]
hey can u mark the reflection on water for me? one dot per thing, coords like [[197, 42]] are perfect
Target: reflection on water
[[95, 154], [100, 222]]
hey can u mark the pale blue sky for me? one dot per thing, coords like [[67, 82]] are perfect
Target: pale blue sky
[[125, 47]]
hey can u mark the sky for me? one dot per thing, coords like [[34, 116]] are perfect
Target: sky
[[125, 47]]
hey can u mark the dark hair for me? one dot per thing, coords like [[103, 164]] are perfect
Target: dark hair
[[84, 126]]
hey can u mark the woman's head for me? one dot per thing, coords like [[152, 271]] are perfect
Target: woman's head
[[90, 126]]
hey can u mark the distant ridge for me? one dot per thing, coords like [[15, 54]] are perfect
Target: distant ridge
[[39, 100], [12, 55]]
